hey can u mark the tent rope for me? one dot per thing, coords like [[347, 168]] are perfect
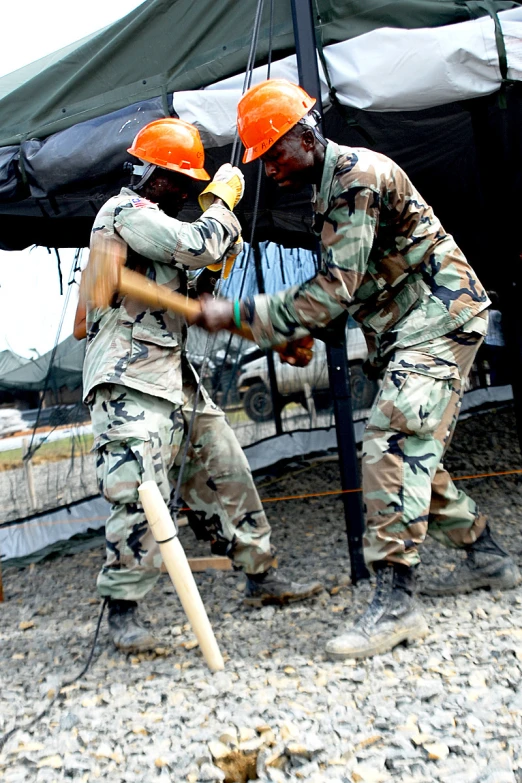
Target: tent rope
[[32, 448], [211, 339], [488, 6]]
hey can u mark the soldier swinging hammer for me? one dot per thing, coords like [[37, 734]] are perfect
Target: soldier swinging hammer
[[140, 386]]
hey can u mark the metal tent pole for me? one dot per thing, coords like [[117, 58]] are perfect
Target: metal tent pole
[[504, 241], [338, 369]]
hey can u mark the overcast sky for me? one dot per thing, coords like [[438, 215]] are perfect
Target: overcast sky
[[30, 302]]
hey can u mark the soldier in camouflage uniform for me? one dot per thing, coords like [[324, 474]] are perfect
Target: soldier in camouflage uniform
[[388, 262], [141, 389]]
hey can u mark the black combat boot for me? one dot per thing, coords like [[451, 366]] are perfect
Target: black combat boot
[[271, 587], [391, 617], [126, 630], [486, 565]]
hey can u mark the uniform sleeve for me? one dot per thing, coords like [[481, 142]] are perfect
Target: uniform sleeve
[[153, 234], [347, 239]]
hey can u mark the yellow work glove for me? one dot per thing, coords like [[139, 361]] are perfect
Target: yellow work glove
[[227, 265], [228, 184]]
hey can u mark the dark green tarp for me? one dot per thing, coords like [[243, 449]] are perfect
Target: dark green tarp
[[168, 45], [66, 370], [66, 120]]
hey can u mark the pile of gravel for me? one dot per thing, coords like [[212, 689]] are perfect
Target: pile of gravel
[[447, 710]]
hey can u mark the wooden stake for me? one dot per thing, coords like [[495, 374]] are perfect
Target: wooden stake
[[212, 562], [29, 477], [174, 557]]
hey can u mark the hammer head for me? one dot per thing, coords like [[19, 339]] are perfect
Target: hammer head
[[101, 276]]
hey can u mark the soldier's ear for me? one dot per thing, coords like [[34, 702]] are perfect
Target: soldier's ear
[[308, 139]]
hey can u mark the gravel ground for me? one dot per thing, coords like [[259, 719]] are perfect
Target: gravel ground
[[448, 710]]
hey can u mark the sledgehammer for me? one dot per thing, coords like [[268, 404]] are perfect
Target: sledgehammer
[[106, 275], [165, 534]]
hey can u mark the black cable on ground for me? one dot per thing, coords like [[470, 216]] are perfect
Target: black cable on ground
[[64, 684]]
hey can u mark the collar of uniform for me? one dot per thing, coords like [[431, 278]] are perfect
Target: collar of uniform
[[127, 192], [331, 155]]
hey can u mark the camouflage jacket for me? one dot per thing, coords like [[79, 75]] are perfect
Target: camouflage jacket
[[129, 344], [385, 258]]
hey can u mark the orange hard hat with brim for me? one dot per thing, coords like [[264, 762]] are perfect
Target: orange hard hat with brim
[[267, 111], [171, 144]]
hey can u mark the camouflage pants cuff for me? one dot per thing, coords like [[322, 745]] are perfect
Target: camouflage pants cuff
[[458, 536], [125, 584], [253, 561]]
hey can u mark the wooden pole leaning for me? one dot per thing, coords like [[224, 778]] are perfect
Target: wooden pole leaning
[[164, 532]]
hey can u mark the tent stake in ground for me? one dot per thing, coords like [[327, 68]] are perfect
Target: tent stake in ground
[[166, 536]]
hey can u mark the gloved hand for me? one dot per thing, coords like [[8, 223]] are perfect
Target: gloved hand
[[228, 184], [227, 265], [298, 353]]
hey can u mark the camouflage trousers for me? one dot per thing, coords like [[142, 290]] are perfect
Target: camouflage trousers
[[407, 491], [140, 437]]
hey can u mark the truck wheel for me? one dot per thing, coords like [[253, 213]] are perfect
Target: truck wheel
[[257, 402], [363, 390]]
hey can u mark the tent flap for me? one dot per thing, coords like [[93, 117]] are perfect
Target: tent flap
[[9, 176]]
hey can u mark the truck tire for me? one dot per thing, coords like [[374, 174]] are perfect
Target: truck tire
[[363, 390], [257, 402]]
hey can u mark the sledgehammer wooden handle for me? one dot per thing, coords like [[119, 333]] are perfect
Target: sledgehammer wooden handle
[[150, 293], [164, 532], [140, 287]]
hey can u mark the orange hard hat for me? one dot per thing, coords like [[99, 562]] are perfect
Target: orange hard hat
[[267, 111], [171, 144]]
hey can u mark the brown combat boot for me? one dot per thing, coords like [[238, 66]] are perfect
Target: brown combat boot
[[273, 588], [486, 565], [125, 629]]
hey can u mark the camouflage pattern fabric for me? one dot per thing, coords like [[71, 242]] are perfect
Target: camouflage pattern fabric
[[140, 437], [407, 491], [385, 258], [140, 389], [132, 345]]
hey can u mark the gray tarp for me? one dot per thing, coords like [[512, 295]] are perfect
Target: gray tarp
[[66, 370], [10, 361]]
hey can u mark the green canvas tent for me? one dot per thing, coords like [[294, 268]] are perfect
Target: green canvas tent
[[164, 46], [67, 119], [48, 372]]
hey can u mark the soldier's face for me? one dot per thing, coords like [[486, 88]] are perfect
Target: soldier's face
[[169, 190], [290, 162]]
